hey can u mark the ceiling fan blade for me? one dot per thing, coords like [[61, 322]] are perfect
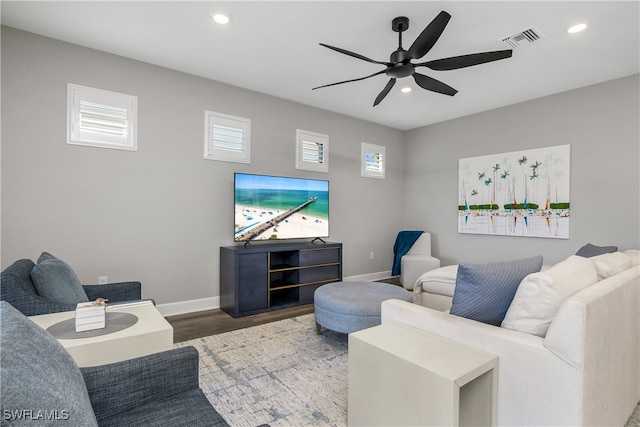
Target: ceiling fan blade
[[349, 81], [463, 61], [429, 36], [355, 55], [384, 92], [433, 85]]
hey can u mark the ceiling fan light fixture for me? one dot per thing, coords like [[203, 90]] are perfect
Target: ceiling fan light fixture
[[577, 28], [406, 89], [221, 17]]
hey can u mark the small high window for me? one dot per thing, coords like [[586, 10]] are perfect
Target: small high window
[[100, 118], [227, 138], [372, 161], [312, 151]]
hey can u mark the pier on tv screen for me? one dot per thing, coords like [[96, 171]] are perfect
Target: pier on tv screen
[[275, 207]]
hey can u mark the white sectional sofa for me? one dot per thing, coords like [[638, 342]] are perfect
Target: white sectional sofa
[[584, 371]]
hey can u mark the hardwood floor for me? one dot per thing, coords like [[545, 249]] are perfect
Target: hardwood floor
[[211, 322]]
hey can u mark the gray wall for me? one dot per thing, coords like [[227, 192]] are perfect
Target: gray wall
[[160, 214], [600, 122]]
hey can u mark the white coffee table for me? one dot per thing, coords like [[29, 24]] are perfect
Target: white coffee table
[[400, 375], [150, 334]]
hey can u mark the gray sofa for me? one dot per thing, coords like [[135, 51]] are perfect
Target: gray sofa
[[42, 385], [18, 289]]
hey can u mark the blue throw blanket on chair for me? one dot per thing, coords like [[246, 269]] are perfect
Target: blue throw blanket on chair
[[404, 241]]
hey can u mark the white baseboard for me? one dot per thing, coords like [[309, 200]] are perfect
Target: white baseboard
[[190, 306], [183, 307], [369, 277]]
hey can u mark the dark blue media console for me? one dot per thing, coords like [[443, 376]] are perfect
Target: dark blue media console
[[267, 277]]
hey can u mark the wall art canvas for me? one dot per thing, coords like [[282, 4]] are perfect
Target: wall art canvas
[[523, 193]]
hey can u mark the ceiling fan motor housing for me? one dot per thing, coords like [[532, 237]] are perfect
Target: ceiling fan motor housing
[[400, 69], [400, 56], [400, 24]]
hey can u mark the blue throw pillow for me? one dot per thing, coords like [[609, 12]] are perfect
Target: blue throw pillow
[[590, 250], [55, 280], [484, 291]]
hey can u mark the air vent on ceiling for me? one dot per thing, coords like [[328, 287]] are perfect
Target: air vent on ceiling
[[523, 37]]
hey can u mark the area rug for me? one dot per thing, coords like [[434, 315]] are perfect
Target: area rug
[[280, 373]]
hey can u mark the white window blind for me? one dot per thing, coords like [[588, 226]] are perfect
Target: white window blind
[[373, 161], [103, 119], [227, 138], [312, 151], [100, 118]]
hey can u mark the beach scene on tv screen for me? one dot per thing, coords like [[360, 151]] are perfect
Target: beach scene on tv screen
[[271, 207]]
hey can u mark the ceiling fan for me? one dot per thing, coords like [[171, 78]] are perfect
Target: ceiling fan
[[400, 64]]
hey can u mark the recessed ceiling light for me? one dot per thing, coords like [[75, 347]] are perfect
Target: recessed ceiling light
[[406, 89], [576, 28], [221, 17]]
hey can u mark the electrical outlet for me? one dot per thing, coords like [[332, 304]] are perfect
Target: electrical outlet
[[103, 280], [372, 255]]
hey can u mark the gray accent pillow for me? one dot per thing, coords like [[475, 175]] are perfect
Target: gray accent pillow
[[40, 381], [484, 291], [590, 250], [55, 280]]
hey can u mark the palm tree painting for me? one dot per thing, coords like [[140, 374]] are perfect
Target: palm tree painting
[[527, 193]]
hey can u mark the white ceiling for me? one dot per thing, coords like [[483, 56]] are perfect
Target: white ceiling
[[272, 47]]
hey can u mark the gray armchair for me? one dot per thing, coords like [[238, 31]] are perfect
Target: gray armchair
[[18, 289], [41, 382]]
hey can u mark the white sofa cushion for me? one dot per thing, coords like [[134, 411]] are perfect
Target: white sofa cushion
[[634, 254], [540, 295], [610, 264], [441, 281]]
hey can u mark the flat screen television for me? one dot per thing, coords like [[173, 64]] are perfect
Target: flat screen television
[[276, 207]]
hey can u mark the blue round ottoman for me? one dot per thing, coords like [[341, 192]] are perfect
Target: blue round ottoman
[[351, 306]]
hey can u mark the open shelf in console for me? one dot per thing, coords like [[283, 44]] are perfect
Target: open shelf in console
[[282, 260], [284, 297], [279, 279]]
